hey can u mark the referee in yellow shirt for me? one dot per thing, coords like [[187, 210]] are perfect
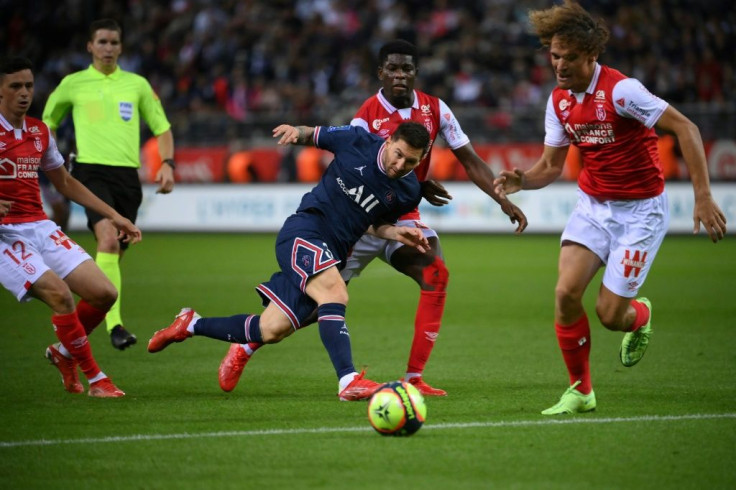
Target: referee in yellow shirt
[[106, 104]]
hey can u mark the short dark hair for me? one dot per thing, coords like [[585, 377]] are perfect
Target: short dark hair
[[107, 24], [414, 133], [398, 46], [14, 64]]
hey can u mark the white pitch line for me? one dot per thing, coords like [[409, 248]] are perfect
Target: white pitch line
[[326, 430]]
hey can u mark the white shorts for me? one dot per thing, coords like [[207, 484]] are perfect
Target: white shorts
[[626, 235], [369, 247], [28, 250]]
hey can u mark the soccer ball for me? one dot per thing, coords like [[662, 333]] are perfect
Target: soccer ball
[[397, 409]]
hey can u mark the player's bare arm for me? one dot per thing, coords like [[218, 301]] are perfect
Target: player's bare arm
[[410, 236], [72, 189], [5, 207], [295, 135], [543, 173], [705, 211], [482, 176]]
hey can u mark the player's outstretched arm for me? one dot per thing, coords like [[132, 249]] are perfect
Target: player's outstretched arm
[[410, 236], [482, 176], [706, 211], [547, 169], [295, 135], [72, 189]]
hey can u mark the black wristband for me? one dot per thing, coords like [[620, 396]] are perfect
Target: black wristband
[[170, 162]]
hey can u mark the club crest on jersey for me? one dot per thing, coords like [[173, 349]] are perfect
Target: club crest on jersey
[[600, 99], [600, 112], [377, 123], [37, 144], [126, 111], [390, 196]]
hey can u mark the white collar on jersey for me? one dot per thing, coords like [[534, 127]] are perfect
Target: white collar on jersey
[[593, 81], [390, 108], [9, 127], [379, 160]]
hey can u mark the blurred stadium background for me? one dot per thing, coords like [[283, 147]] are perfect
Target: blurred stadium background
[[229, 71]]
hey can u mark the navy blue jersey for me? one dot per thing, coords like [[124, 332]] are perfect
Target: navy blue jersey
[[355, 191]]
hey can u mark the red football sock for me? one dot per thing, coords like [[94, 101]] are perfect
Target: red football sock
[[70, 332], [426, 328], [574, 341], [642, 316], [89, 316]]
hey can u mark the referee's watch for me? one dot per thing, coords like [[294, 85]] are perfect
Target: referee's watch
[[170, 162]]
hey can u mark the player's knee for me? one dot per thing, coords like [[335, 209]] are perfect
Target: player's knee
[[102, 296], [567, 299], [435, 275], [340, 296], [60, 300], [107, 297]]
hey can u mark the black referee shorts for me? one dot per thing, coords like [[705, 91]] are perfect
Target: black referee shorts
[[119, 187]]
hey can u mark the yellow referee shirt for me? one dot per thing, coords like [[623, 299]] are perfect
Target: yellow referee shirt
[[106, 110]]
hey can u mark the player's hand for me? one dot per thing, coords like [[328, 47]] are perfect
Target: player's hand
[[165, 179], [288, 133], [710, 215], [412, 237], [515, 215], [5, 207], [508, 182], [435, 193], [127, 231]]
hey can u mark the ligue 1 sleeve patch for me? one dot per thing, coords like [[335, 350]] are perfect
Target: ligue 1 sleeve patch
[[126, 111], [332, 129]]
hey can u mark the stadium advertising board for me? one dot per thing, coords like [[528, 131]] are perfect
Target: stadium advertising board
[[263, 208]]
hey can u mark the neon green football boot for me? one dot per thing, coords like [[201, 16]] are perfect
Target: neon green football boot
[[572, 401], [634, 344]]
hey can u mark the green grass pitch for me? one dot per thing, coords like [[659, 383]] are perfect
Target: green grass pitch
[[669, 422]]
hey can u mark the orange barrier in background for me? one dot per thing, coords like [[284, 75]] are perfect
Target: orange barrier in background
[[263, 164]]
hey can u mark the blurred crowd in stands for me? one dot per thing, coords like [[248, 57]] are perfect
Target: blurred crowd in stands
[[314, 61]]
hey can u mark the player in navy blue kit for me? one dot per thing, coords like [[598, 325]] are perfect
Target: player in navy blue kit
[[368, 185]]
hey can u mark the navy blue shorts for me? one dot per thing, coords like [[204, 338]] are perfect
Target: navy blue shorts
[[301, 252]]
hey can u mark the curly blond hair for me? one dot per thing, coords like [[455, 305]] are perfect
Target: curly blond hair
[[572, 25]]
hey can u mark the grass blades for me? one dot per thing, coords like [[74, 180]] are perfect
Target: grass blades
[[669, 422]]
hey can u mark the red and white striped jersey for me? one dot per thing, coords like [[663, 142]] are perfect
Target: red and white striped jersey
[[378, 116], [22, 153], [612, 125]]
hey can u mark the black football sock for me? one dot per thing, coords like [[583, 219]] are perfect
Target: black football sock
[[335, 337], [237, 329]]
